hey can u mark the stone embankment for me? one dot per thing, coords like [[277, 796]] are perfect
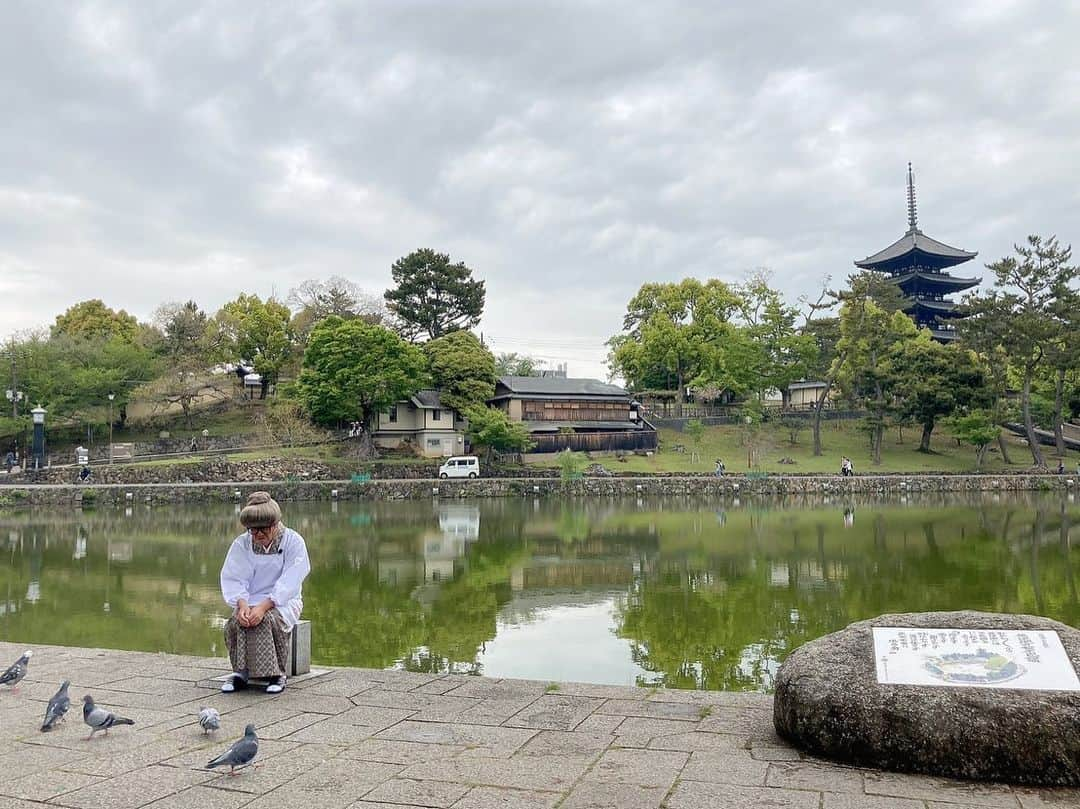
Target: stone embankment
[[222, 470], [796, 486]]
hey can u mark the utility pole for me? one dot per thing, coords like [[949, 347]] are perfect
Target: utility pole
[[14, 381]]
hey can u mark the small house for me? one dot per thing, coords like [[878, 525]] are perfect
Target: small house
[[425, 423]]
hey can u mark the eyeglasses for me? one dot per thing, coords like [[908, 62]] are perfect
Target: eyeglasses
[[265, 531]]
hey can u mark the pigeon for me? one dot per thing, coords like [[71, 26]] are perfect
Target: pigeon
[[240, 754], [100, 719], [209, 719], [58, 706], [13, 676]]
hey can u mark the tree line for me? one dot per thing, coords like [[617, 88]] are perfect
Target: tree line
[[1017, 355], [336, 351], [342, 355]]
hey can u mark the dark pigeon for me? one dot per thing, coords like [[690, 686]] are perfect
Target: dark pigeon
[[240, 754], [58, 706], [100, 719], [16, 671]]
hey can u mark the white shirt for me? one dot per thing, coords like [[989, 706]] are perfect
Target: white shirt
[[255, 577]]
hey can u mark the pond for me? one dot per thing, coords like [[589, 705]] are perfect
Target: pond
[[677, 592]]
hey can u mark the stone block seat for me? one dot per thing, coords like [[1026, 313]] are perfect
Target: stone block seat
[[829, 702]]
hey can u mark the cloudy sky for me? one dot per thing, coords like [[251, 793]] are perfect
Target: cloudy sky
[[567, 151]]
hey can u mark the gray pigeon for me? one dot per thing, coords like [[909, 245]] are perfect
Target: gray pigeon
[[240, 754], [100, 719], [58, 706], [16, 671], [209, 719]]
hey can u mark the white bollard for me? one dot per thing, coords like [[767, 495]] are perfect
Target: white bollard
[[334, 493], [129, 496]]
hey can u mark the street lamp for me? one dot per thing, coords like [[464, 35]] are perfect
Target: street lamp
[[38, 414], [14, 396], [111, 397]]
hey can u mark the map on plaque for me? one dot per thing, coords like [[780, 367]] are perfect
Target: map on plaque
[[980, 658]]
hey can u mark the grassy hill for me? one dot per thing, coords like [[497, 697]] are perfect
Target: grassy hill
[[773, 443]]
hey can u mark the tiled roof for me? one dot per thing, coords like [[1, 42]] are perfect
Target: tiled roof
[[557, 386]]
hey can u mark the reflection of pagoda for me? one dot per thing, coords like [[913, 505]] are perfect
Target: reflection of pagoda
[[917, 263]]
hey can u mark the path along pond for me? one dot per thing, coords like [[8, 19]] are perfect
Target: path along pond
[[668, 592]]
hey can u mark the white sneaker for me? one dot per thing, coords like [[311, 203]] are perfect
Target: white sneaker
[[276, 687], [234, 683]]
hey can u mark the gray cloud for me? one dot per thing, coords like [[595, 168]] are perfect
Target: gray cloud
[[568, 151]]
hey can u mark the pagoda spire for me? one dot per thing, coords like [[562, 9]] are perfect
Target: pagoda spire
[[912, 213]]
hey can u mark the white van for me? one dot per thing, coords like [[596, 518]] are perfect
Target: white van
[[460, 466]]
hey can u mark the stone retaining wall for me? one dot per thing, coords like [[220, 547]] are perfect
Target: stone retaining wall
[[213, 470], [708, 488]]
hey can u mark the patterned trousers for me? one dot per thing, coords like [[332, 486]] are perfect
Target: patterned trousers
[[262, 651]]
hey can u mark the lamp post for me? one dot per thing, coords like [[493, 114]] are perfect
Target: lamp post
[[14, 396], [749, 442], [111, 397], [38, 414]]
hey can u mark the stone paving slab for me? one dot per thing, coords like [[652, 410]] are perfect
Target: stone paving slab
[[361, 739]]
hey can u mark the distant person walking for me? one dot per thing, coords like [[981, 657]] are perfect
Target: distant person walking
[[9, 460], [846, 469], [719, 471], [1061, 467]]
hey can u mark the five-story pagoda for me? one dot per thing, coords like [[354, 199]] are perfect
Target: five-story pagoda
[[917, 265]]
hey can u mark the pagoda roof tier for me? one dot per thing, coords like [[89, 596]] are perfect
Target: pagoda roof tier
[[942, 309], [944, 335], [934, 280], [913, 251]]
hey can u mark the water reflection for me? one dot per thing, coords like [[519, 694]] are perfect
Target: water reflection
[[666, 592]]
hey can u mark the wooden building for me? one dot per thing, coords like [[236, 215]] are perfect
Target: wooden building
[[578, 414]]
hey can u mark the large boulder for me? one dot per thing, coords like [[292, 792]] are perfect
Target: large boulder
[[828, 702]]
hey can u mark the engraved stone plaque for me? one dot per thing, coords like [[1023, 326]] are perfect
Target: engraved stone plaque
[[973, 658]]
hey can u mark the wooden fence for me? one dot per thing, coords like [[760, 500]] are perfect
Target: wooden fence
[[628, 441]]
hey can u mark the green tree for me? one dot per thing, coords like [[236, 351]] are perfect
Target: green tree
[[669, 331], [92, 319], [863, 287], [979, 429], [314, 300], [184, 328], [1063, 354], [513, 364], [695, 431], [492, 430], [867, 335], [353, 370], [571, 465], [189, 347], [256, 331], [1021, 315], [932, 381], [433, 296], [461, 368], [72, 377], [787, 354]]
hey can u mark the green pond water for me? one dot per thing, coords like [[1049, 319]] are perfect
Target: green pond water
[[676, 592]]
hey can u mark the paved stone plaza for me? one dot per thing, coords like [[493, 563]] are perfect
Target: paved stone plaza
[[367, 738]]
